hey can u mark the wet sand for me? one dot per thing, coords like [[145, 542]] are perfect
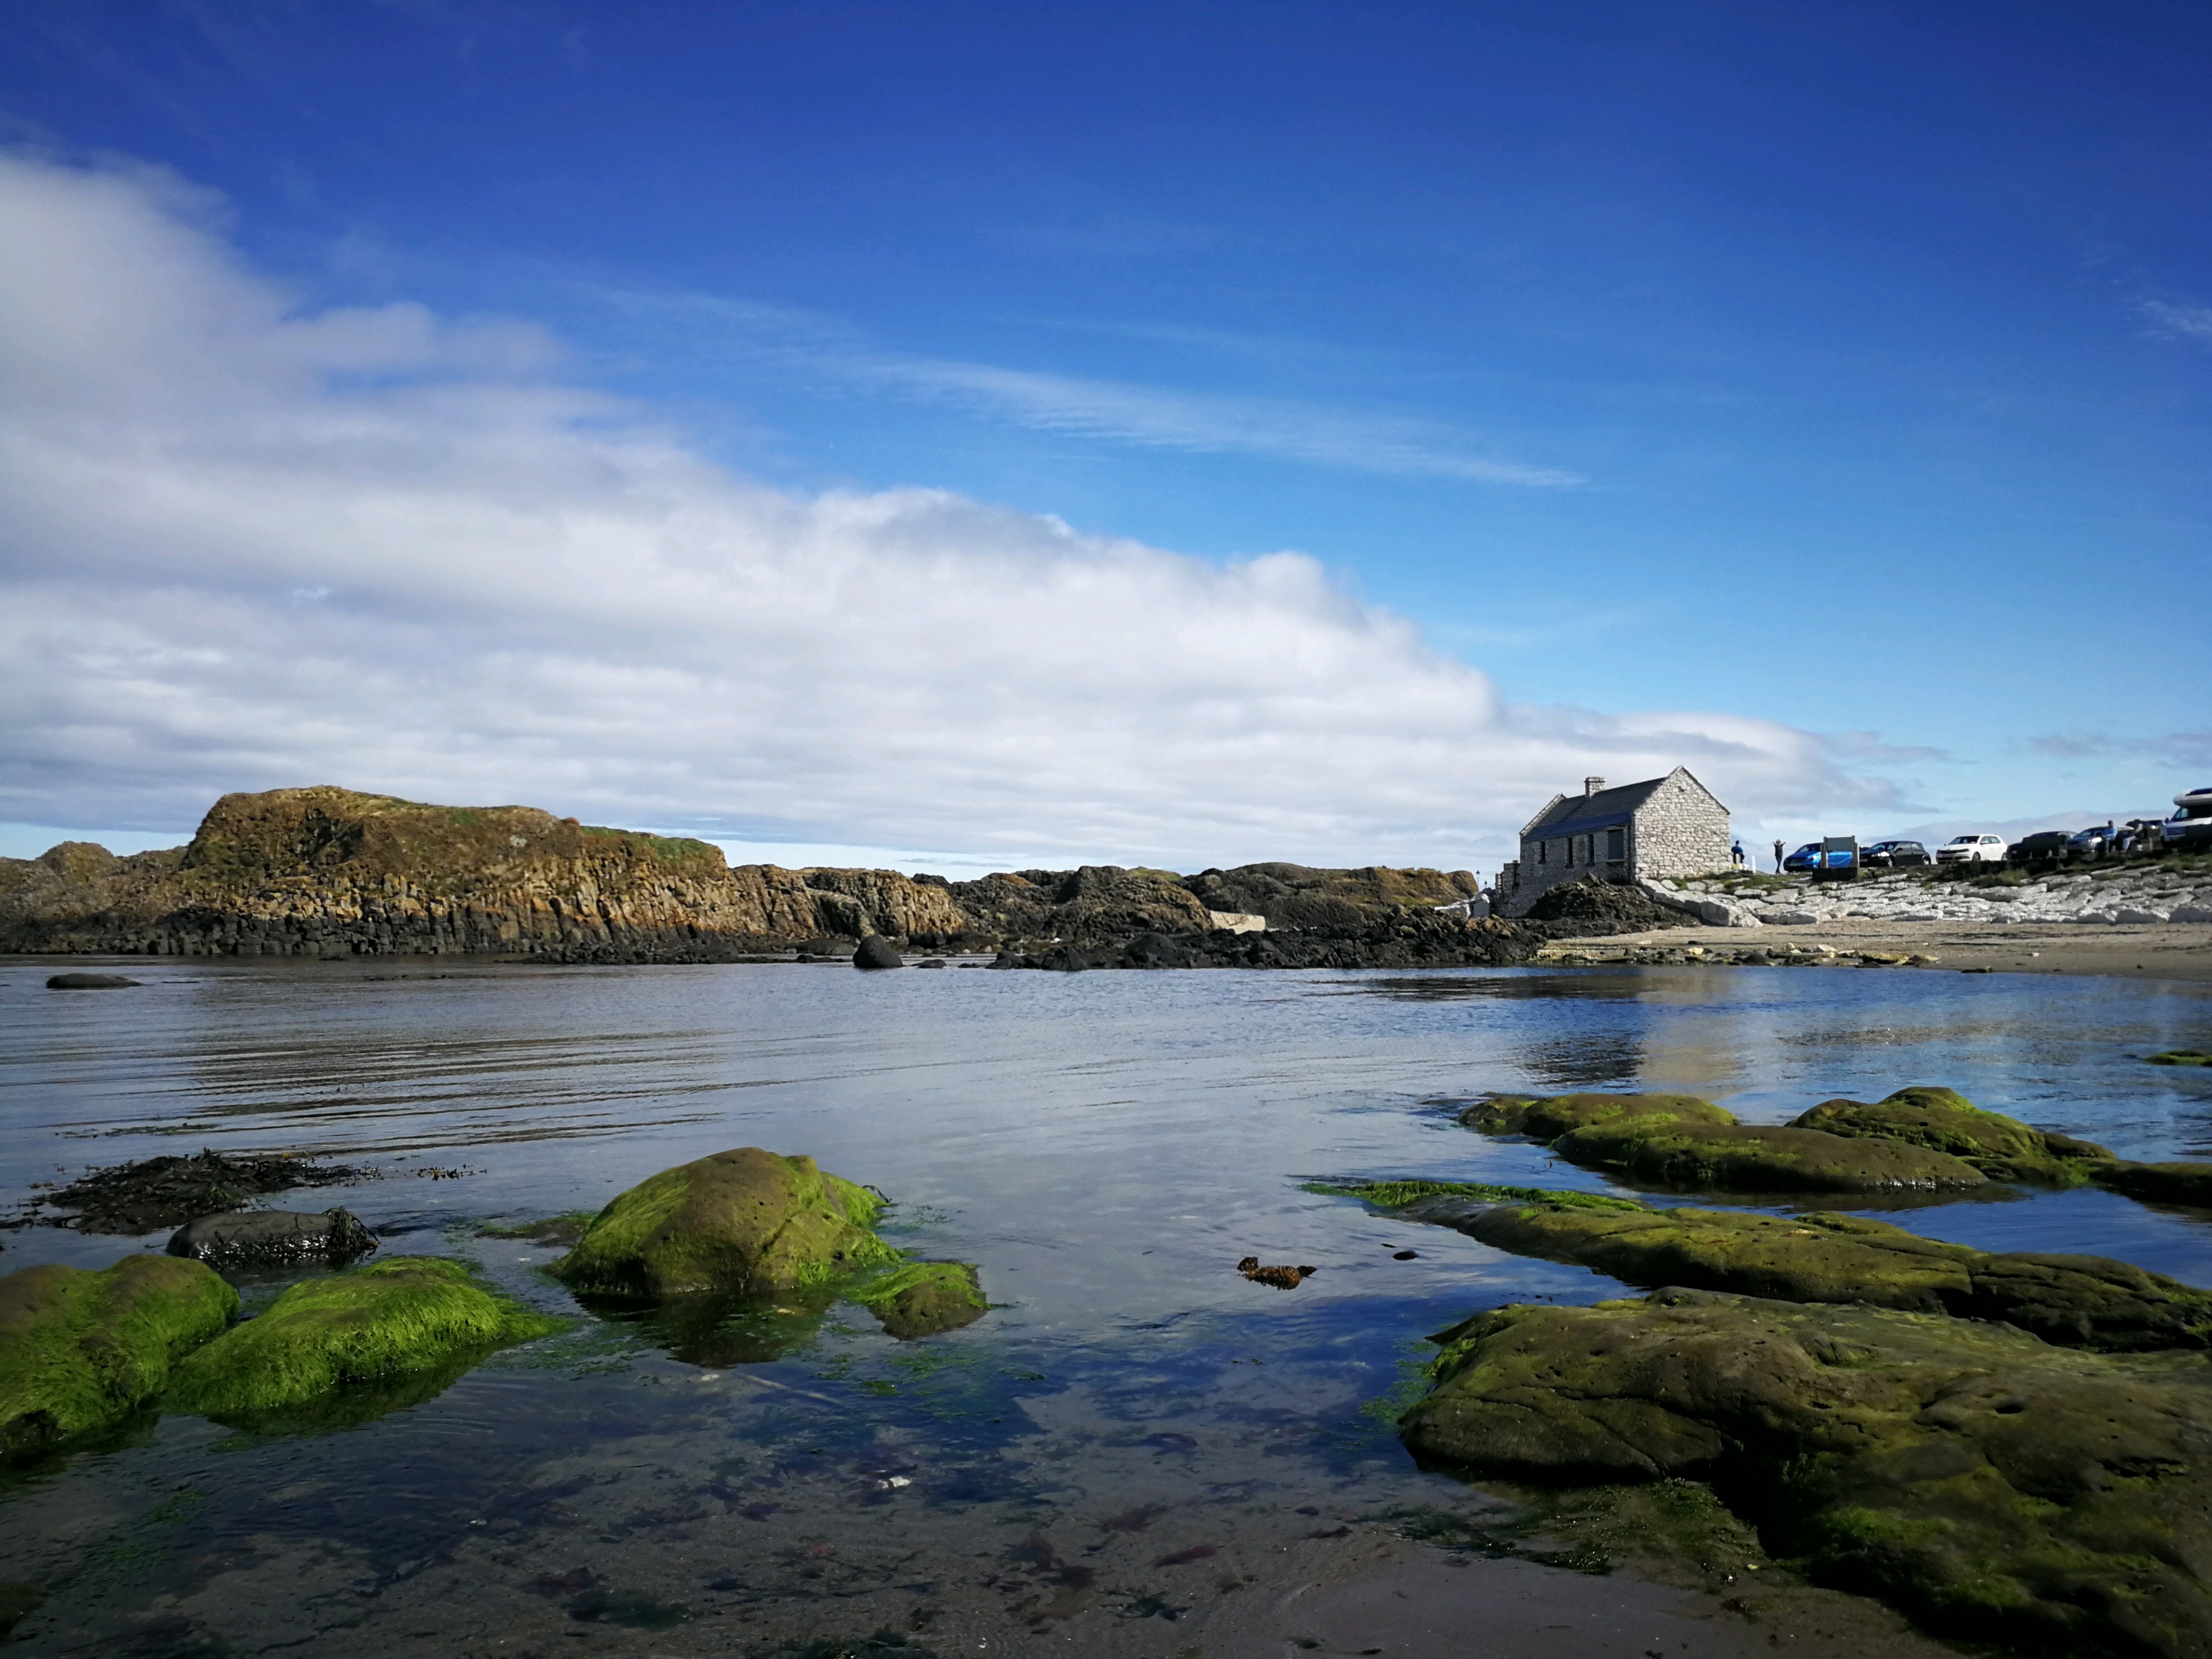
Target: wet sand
[[2169, 951]]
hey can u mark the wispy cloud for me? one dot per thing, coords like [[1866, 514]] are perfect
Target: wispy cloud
[[2173, 748], [2194, 321], [1111, 411]]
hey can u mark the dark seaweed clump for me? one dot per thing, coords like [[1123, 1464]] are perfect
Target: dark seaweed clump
[[166, 1191]]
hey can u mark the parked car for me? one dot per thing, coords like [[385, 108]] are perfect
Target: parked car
[[2189, 828], [2044, 845], [1896, 853], [2094, 842], [1971, 849], [1806, 857]]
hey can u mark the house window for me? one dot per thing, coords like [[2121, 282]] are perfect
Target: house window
[[1570, 852], [1616, 846], [1543, 852]]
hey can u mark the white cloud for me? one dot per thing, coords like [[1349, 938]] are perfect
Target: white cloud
[[250, 544], [2195, 321], [1149, 418]]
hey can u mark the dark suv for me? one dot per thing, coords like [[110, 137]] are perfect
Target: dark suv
[[1896, 853], [2043, 845]]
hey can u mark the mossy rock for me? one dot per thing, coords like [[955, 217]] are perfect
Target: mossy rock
[[81, 1350], [1944, 1120], [746, 1221], [1990, 1484], [923, 1298], [2157, 1183], [1547, 1117], [2074, 1301], [2180, 1057], [1745, 1158], [373, 1325]]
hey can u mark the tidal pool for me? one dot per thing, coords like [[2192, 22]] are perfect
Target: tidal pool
[[1132, 1449]]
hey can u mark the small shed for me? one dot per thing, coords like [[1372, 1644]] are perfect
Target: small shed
[[1670, 826]]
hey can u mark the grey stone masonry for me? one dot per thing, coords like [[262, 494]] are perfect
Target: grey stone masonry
[[1670, 826]]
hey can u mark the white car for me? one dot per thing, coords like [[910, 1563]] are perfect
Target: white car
[[1971, 849]]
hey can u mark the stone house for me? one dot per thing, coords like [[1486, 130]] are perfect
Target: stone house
[[1670, 826]]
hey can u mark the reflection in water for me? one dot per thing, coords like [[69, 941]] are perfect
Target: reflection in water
[[1104, 1146]]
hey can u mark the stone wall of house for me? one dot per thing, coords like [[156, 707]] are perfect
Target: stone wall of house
[[1680, 831]]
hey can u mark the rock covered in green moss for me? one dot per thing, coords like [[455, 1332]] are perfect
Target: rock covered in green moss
[[1748, 1158], [922, 1298], [1547, 1117], [746, 1220], [1987, 1484], [1944, 1120], [79, 1350], [2180, 1057], [2076, 1301], [369, 1326], [1679, 1141]]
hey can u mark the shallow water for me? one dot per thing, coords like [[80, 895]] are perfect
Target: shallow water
[[1118, 1442]]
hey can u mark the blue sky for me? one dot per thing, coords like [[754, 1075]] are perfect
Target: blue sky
[[1844, 368]]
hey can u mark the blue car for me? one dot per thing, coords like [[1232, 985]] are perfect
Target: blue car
[[1806, 857]]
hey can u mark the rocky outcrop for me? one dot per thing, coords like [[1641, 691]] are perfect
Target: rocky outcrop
[[1676, 1141], [81, 1350], [1097, 904], [1944, 1120], [887, 902], [331, 873], [2074, 1301], [1593, 907], [1328, 901], [1992, 1485]]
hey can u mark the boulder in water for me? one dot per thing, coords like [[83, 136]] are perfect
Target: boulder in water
[[89, 983], [273, 1238], [922, 1298], [742, 1221], [876, 952], [79, 1350], [1944, 1120]]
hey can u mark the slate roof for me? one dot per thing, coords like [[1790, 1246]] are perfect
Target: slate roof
[[1578, 814]]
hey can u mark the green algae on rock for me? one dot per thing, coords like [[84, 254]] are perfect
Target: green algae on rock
[[2074, 1301], [1944, 1120], [2180, 1057], [1986, 1483], [1548, 1117], [746, 1220], [369, 1326], [922, 1298], [1679, 1141], [79, 1350]]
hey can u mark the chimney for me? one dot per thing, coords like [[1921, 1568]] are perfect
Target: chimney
[[1591, 786]]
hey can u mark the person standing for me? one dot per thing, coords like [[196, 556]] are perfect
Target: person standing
[[1735, 856], [1777, 857]]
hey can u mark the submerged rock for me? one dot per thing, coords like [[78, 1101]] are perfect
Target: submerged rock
[[1681, 1140], [89, 983], [369, 1326], [922, 1298], [2180, 1057], [273, 1238], [1987, 1484], [746, 1220], [876, 952], [1944, 1120], [2074, 1301], [2158, 1183], [79, 1350]]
